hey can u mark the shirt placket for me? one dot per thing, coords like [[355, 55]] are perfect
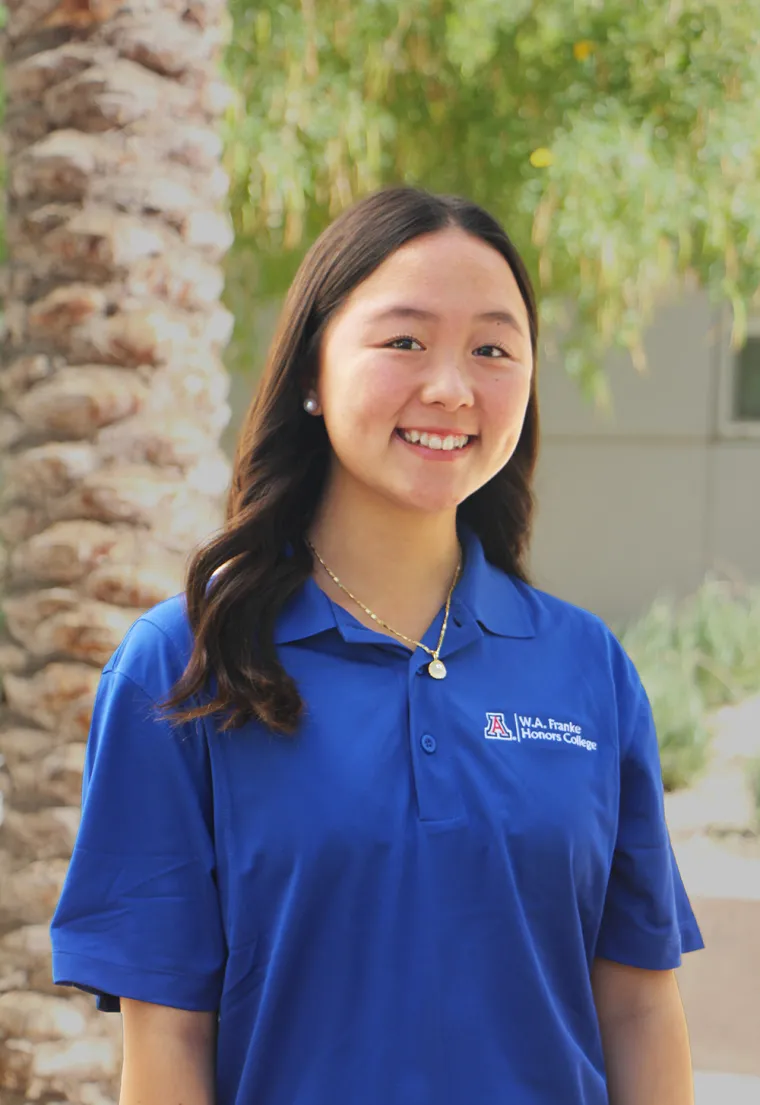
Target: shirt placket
[[431, 737]]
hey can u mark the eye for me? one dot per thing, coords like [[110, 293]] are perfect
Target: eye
[[497, 355], [394, 343]]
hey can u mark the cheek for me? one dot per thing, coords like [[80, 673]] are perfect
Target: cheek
[[505, 402], [368, 396]]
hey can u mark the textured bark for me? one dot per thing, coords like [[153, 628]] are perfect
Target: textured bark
[[113, 399]]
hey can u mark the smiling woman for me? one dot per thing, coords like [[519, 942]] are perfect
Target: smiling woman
[[322, 450], [401, 879]]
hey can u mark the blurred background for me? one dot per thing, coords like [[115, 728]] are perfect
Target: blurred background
[[166, 165]]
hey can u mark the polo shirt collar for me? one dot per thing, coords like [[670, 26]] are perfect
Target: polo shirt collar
[[495, 599], [489, 595], [306, 614]]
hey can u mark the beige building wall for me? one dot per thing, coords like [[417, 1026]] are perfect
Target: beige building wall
[[647, 500]]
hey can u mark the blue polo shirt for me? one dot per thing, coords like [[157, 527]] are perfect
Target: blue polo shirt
[[402, 902]]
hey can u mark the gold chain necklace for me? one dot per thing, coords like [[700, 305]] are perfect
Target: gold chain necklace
[[436, 667]]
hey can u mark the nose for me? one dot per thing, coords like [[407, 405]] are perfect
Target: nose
[[448, 386]]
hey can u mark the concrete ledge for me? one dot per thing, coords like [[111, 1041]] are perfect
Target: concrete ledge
[[709, 870]]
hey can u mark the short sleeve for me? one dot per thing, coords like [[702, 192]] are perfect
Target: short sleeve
[[647, 919], [139, 913]]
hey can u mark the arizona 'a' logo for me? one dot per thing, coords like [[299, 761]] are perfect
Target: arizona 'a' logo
[[497, 728]]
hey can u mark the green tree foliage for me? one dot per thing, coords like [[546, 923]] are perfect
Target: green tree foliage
[[616, 139]]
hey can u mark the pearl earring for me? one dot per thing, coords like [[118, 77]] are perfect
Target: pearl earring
[[310, 405]]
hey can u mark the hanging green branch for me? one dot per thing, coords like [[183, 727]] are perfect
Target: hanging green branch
[[615, 140]]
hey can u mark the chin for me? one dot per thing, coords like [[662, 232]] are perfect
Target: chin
[[428, 501]]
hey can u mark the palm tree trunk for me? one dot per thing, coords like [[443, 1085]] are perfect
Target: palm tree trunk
[[113, 399]]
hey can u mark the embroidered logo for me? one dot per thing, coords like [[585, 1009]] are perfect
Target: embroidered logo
[[497, 729], [531, 728]]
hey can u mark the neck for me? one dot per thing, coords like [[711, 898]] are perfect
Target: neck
[[399, 563]]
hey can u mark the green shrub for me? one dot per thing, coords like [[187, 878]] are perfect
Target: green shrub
[[694, 656], [666, 663], [722, 625]]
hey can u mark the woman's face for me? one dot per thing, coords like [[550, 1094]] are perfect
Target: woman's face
[[425, 374]]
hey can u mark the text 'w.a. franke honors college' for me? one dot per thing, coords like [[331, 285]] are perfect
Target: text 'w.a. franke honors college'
[[529, 728]]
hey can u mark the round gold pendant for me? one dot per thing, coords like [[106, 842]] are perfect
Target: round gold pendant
[[437, 669]]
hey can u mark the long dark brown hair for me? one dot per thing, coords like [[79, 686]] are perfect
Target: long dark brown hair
[[282, 460]]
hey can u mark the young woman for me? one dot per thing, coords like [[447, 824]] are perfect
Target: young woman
[[367, 819]]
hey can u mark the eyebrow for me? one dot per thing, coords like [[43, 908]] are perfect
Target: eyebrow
[[401, 310]]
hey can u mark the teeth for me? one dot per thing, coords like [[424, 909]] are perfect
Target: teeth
[[435, 441]]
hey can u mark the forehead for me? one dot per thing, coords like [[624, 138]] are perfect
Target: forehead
[[449, 266]]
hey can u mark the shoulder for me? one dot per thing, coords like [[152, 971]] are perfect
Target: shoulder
[[550, 614], [584, 641], [156, 648]]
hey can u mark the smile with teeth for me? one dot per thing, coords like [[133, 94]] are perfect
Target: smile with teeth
[[435, 441]]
